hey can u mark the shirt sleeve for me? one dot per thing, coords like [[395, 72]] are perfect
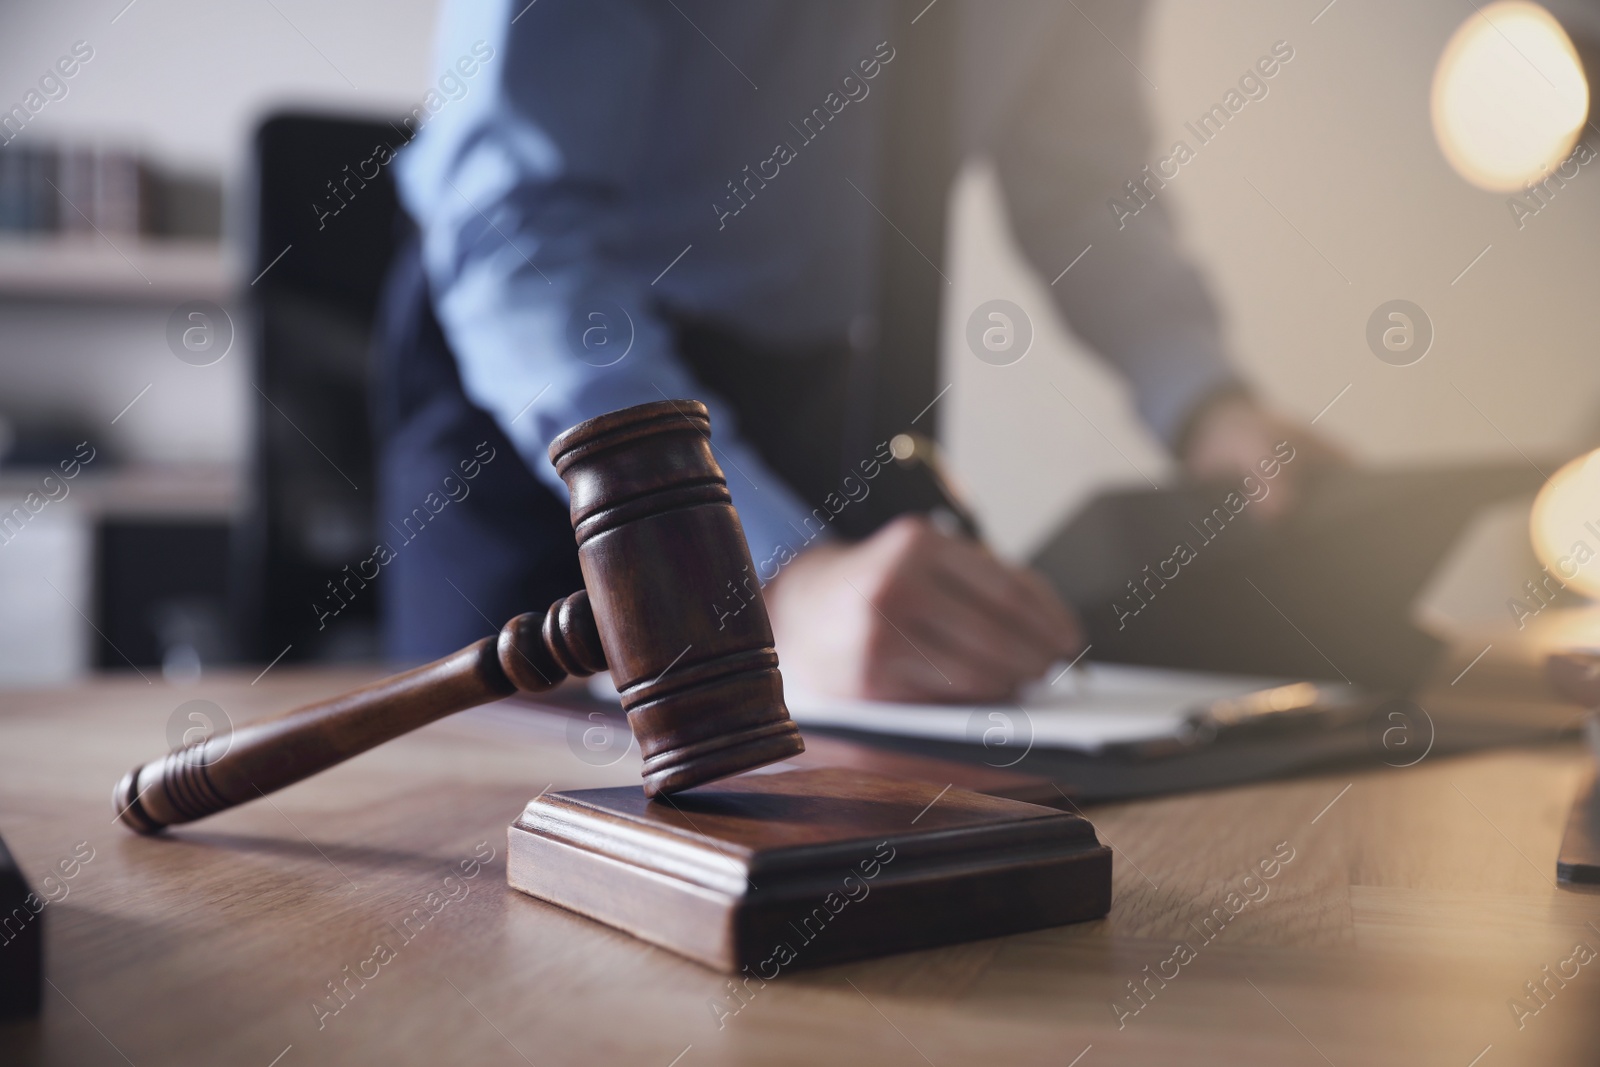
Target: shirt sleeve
[[525, 189], [1073, 134]]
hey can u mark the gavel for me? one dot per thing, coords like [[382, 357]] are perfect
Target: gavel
[[658, 540]]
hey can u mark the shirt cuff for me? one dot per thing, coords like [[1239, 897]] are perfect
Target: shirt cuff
[[777, 524], [1169, 400]]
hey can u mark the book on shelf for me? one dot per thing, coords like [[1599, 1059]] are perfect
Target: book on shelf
[[76, 190]]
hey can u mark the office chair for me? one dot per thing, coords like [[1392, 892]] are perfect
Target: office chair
[[359, 414], [317, 280]]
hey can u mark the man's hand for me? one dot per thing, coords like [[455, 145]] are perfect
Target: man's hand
[[912, 613], [1232, 435]]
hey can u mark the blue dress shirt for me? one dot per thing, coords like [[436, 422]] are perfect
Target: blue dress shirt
[[606, 159]]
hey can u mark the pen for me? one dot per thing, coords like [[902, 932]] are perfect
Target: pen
[[915, 450]]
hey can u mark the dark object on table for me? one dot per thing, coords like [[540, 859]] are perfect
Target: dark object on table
[[800, 868], [1576, 675], [21, 942], [1326, 592], [1578, 862]]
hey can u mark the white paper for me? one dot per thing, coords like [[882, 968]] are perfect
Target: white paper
[[1086, 708]]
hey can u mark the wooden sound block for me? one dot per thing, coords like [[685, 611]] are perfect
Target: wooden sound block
[[805, 867]]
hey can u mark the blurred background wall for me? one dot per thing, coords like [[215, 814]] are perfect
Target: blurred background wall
[[184, 83], [1314, 205]]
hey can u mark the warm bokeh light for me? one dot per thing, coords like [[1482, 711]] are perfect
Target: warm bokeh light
[[1564, 525], [1509, 96]]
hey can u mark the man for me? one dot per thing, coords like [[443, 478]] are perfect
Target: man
[[742, 201]]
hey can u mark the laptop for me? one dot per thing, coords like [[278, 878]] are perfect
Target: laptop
[[1192, 577]]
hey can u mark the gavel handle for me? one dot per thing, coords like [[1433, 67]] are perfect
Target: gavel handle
[[532, 653]]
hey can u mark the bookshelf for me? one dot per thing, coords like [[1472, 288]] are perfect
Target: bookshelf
[[196, 491], [129, 269]]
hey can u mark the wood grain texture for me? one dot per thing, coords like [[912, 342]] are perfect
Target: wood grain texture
[[1415, 908], [807, 867]]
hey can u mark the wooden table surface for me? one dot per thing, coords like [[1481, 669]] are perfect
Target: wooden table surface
[[1416, 905]]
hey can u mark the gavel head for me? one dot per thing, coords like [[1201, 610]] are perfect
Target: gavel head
[[675, 598]]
